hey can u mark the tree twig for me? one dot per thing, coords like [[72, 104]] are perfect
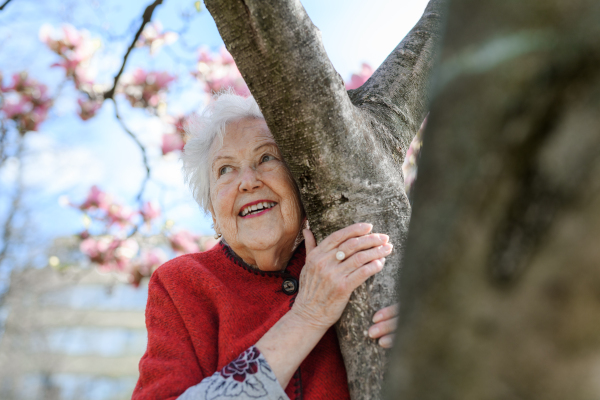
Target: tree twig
[[6, 229], [146, 17], [141, 147], [4, 4]]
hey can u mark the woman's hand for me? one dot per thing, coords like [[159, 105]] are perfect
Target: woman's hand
[[385, 321], [326, 283]]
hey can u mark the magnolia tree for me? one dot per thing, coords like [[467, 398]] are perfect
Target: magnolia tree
[[135, 238]]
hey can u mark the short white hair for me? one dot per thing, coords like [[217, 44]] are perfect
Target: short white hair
[[202, 130]]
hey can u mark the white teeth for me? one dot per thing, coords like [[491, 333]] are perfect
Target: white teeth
[[255, 207]]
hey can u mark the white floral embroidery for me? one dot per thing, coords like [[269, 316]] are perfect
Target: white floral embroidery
[[247, 377]]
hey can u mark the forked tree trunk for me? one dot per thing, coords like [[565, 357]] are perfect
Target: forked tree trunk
[[500, 287], [344, 149]]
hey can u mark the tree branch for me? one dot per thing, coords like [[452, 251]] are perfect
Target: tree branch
[[146, 17], [141, 147], [4, 4], [266, 39], [6, 229], [398, 92], [338, 153]]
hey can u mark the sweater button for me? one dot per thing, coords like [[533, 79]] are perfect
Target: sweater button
[[290, 286]]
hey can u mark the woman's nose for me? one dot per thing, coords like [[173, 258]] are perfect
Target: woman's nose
[[250, 180]]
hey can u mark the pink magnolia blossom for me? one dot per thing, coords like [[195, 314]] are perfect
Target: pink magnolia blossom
[[218, 72], [146, 89], [172, 142], [88, 108], [357, 80], [118, 214], [26, 102], [179, 124], [96, 199], [226, 57], [150, 260], [14, 108], [76, 48], [184, 242], [176, 140], [109, 252], [153, 37], [149, 211]]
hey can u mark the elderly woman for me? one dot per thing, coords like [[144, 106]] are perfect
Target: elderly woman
[[252, 318]]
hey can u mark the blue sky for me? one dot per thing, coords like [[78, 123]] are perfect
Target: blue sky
[[69, 155]]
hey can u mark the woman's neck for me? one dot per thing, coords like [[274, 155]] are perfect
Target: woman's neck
[[272, 259], [275, 258]]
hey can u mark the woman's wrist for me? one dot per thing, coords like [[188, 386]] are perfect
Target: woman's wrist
[[306, 321], [292, 331]]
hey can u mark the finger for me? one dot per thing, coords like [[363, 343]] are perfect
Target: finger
[[383, 328], [356, 278], [386, 313], [338, 237], [387, 341], [366, 256], [309, 240], [354, 245]]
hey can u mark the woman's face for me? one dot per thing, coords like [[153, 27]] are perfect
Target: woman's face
[[255, 204]]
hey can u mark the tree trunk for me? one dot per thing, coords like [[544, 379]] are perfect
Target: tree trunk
[[345, 150], [500, 288]]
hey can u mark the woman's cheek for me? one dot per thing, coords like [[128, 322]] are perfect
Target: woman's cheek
[[293, 210], [223, 201]]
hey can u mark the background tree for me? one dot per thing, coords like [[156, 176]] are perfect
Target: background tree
[[345, 149], [500, 282]]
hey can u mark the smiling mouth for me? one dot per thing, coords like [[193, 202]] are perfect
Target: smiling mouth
[[257, 208]]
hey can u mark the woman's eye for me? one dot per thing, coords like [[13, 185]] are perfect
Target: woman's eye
[[266, 157], [224, 170]]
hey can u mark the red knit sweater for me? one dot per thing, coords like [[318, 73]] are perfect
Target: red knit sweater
[[205, 309]]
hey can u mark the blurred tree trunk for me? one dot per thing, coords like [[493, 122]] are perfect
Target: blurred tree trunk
[[500, 287], [344, 149]]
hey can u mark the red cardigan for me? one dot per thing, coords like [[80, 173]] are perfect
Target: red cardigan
[[205, 309]]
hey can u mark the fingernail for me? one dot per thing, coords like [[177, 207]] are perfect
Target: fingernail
[[373, 332], [388, 247], [383, 238], [377, 317], [385, 341]]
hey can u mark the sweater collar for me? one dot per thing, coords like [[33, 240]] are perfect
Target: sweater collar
[[292, 268]]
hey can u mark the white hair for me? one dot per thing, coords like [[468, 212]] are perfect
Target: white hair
[[202, 130]]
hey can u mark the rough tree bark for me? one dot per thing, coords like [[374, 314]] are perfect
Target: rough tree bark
[[345, 149], [500, 287]]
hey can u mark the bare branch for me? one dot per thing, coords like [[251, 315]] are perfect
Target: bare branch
[[4, 4], [3, 131], [398, 92], [6, 228], [141, 147], [146, 17]]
